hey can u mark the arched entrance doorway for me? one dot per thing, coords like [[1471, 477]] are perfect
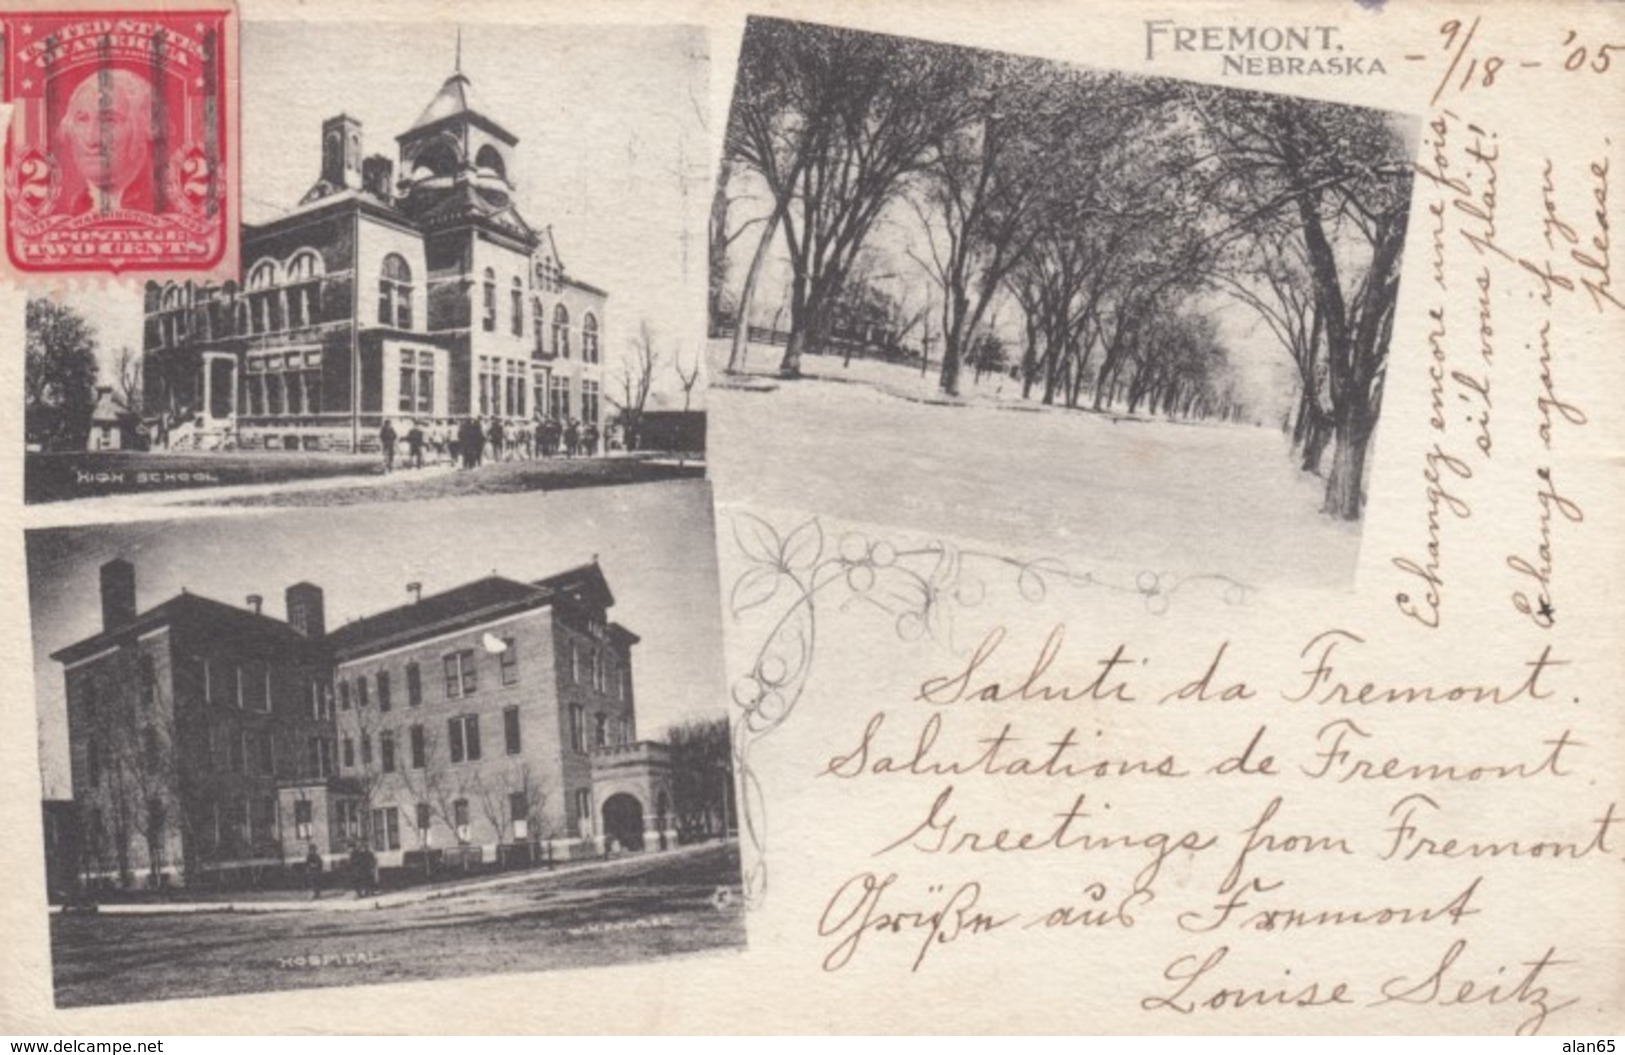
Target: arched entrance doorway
[[623, 821]]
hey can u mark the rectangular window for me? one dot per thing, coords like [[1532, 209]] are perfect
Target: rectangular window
[[575, 664], [366, 749], [558, 398], [584, 811], [459, 815], [408, 399], [237, 753], [350, 819], [600, 730], [149, 681], [383, 690], [424, 816], [296, 393], [208, 681], [237, 680], [578, 729], [386, 751], [415, 739], [253, 684], [510, 661], [386, 829], [267, 753], [463, 736], [321, 756], [361, 695], [414, 685], [519, 813], [344, 695], [461, 677], [589, 402], [510, 729], [301, 819], [349, 753]]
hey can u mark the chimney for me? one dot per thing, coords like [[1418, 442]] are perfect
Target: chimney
[[377, 175], [306, 613], [118, 593], [255, 602], [341, 151], [416, 590]]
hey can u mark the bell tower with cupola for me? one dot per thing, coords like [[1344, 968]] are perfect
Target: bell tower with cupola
[[454, 146]]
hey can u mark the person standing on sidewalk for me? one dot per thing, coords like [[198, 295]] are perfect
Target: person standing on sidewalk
[[414, 445], [387, 437], [313, 872]]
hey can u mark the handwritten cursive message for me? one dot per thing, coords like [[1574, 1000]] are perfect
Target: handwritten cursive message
[[1518, 257], [1030, 754]]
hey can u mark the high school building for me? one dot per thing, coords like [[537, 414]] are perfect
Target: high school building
[[491, 719], [408, 289]]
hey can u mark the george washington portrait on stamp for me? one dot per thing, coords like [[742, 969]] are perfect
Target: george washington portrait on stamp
[[117, 155]]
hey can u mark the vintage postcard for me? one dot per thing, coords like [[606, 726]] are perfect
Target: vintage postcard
[[1156, 572]]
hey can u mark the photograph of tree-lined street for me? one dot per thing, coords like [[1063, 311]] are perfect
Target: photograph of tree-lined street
[[1189, 291]]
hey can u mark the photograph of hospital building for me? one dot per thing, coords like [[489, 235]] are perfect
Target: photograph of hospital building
[[496, 719]]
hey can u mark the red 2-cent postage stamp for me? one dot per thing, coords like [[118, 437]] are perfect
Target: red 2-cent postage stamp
[[119, 153]]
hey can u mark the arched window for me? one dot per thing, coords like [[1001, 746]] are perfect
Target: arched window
[[490, 300], [261, 278], [489, 158], [395, 293], [170, 314], [538, 324], [304, 287], [304, 266], [518, 295], [561, 332], [589, 338]]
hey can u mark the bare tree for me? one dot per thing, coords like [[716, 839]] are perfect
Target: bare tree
[[634, 381], [1342, 174], [127, 380], [1010, 170], [834, 121], [511, 793], [686, 377], [723, 234]]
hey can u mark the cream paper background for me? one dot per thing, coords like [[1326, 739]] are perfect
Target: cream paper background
[[812, 834]]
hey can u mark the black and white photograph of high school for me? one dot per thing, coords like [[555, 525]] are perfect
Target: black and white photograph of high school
[[325, 747], [467, 271], [1135, 319]]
